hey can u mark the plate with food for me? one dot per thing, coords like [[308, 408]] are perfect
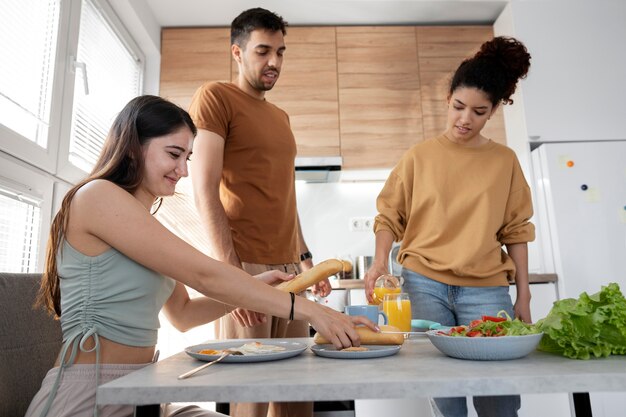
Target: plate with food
[[360, 352], [246, 350], [489, 338]]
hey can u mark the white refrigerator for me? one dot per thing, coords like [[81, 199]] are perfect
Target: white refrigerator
[[580, 204], [580, 215]]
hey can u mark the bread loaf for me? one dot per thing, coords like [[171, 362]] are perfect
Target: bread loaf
[[370, 337], [314, 275]]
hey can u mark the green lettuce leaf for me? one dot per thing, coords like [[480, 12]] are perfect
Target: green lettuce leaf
[[592, 325]]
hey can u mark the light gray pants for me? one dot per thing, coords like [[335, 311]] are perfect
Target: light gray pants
[[76, 395]]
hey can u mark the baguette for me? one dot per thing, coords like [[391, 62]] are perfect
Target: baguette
[[370, 337], [314, 275]]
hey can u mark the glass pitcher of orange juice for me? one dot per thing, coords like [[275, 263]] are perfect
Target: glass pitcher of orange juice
[[386, 284], [397, 307]]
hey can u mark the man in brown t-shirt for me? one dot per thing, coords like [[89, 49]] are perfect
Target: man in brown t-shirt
[[243, 179]]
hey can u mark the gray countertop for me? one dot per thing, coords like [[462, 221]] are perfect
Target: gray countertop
[[418, 370], [351, 284]]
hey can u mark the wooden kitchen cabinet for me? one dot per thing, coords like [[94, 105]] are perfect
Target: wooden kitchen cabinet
[[365, 93], [380, 108], [307, 90], [440, 51], [189, 58]]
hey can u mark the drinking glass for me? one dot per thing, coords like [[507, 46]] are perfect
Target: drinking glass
[[386, 284], [397, 307]]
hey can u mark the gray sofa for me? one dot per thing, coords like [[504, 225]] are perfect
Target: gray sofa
[[30, 340]]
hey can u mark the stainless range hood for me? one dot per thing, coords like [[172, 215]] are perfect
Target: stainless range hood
[[318, 169]]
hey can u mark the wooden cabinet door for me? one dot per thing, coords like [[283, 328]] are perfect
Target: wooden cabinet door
[[440, 51], [380, 110], [307, 90], [189, 58]]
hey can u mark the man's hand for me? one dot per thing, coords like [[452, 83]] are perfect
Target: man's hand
[[322, 288]]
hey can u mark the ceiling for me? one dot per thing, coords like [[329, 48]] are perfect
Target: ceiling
[[170, 13]]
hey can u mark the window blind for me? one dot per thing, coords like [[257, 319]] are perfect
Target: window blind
[[28, 30], [113, 75], [20, 224]]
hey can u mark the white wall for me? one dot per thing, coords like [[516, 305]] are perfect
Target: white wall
[[575, 86]]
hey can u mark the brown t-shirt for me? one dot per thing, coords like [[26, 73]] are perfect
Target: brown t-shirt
[[257, 187]]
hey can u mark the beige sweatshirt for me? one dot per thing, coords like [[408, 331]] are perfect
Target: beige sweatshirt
[[453, 207]]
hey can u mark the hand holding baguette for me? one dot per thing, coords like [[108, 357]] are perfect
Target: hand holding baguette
[[370, 337], [314, 275]]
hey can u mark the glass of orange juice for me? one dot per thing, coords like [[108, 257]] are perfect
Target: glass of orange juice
[[397, 307], [386, 284]]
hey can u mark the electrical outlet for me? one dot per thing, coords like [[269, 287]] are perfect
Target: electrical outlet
[[361, 224]]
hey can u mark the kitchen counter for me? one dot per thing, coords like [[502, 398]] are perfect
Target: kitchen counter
[[418, 370], [352, 284]]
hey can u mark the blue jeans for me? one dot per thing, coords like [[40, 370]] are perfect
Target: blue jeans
[[452, 305]]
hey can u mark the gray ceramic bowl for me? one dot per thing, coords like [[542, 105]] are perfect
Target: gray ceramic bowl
[[485, 348]]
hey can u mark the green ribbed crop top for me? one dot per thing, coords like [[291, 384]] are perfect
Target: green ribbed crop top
[[108, 295], [111, 295]]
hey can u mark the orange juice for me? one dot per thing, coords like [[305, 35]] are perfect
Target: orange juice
[[397, 307], [379, 293]]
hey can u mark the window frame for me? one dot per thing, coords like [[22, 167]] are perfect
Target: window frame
[[17, 175], [27, 166], [17, 145], [65, 169]]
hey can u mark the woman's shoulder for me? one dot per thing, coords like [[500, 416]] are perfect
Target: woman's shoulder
[[98, 186], [503, 150], [421, 148], [100, 193]]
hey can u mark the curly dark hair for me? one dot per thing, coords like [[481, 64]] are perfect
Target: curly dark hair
[[253, 19], [495, 69]]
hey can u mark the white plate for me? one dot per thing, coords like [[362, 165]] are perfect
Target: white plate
[[291, 349], [375, 351], [485, 348]]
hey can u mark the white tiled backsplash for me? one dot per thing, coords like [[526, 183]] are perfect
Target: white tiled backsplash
[[328, 212]]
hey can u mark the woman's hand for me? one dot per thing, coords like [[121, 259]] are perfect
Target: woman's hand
[[521, 308], [338, 328], [372, 274], [248, 318]]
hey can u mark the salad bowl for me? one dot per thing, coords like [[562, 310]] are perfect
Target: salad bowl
[[485, 348]]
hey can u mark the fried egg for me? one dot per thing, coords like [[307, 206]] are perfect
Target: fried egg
[[257, 348]]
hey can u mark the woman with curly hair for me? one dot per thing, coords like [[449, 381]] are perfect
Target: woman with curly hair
[[454, 201]]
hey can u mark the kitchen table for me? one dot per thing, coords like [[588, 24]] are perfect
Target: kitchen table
[[418, 370]]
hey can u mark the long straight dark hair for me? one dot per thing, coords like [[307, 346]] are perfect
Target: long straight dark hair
[[121, 162]]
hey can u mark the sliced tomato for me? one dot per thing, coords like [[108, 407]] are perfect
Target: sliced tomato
[[474, 333], [475, 323], [457, 329], [494, 319]]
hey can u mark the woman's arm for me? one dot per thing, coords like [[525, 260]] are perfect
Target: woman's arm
[[106, 211], [186, 313], [519, 254]]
